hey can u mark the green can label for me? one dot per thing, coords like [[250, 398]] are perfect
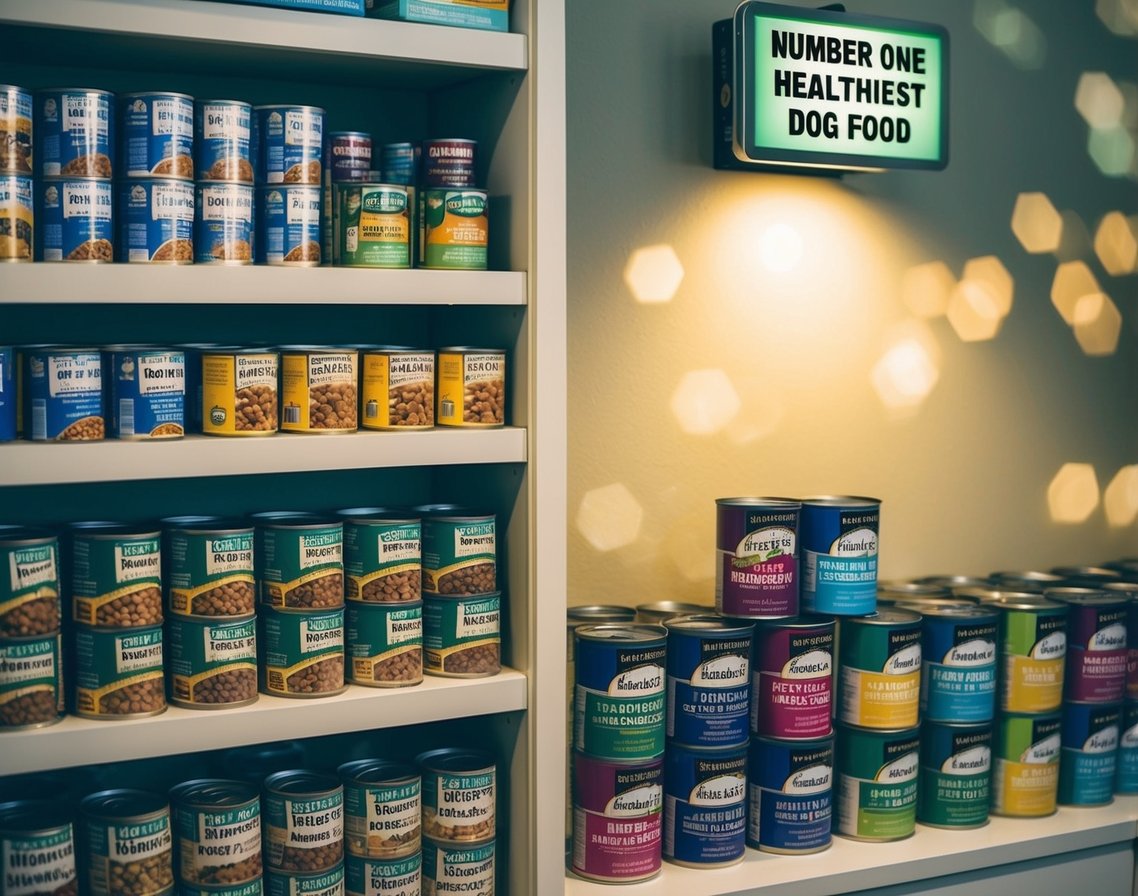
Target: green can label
[[385, 644], [110, 846], [212, 663], [251, 888], [30, 692], [302, 654], [296, 826], [462, 635], [1033, 647], [38, 863], [219, 843], [378, 554], [119, 672], [211, 573], [376, 877], [373, 225], [330, 883], [383, 819], [955, 775], [448, 870], [29, 583], [459, 556], [111, 574], [456, 229], [302, 567], [1025, 765], [877, 783]]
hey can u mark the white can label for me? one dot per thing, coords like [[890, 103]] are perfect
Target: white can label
[[87, 199], [163, 374], [138, 561], [73, 374], [476, 621], [255, 370], [38, 864]]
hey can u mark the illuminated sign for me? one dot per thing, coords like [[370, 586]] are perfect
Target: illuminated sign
[[830, 89]]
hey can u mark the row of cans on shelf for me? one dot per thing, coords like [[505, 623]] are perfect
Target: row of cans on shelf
[[416, 827], [70, 394]]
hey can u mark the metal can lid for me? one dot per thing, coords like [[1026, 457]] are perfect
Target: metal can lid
[[1085, 597], [450, 513], [203, 523], [302, 782], [641, 634], [903, 590], [885, 616], [952, 582], [377, 771], [1128, 588], [315, 349], [710, 624], [290, 519], [96, 90], [840, 501], [165, 93], [924, 605], [293, 106], [593, 613], [211, 792], [1029, 580], [32, 816], [340, 134], [1026, 601], [24, 536], [957, 610], [124, 803], [107, 529], [455, 759], [471, 349], [778, 503], [238, 349], [375, 515], [230, 102], [1097, 573], [668, 608], [803, 621]]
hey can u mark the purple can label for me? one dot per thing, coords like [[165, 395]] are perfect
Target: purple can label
[[791, 682], [1089, 753], [1097, 654], [449, 163], [705, 796], [839, 555], [1132, 649], [708, 684], [158, 135], [790, 790], [756, 570], [617, 818], [349, 155]]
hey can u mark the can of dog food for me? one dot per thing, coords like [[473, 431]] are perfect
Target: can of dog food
[[37, 848], [348, 155], [705, 806], [460, 793], [303, 814], [384, 877], [157, 135], [31, 681], [292, 883], [879, 669], [289, 142], [301, 654], [1032, 652], [462, 635], [382, 554], [15, 130], [397, 388], [156, 221], [372, 225], [451, 868], [239, 391], [299, 559], [17, 218], [1089, 753], [618, 810], [223, 231], [209, 566], [402, 160], [288, 225], [792, 678], [76, 220], [64, 394], [839, 554], [222, 130], [119, 672], [958, 669], [709, 687], [211, 663], [1025, 764], [128, 841], [756, 568], [955, 775], [449, 162], [460, 550], [876, 773], [217, 832], [471, 387], [790, 787], [8, 401], [455, 226], [1126, 768], [29, 585], [318, 389], [384, 643], [116, 575], [76, 132], [383, 802], [147, 392], [1095, 670]]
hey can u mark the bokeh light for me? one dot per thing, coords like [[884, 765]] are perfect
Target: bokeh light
[[1120, 16], [609, 517], [1097, 323], [1012, 32], [1120, 497], [1073, 280], [686, 542], [653, 274], [704, 402], [1116, 245], [990, 271], [974, 312], [1099, 100], [908, 370], [1072, 495], [760, 416], [1036, 223], [1112, 150], [925, 288]]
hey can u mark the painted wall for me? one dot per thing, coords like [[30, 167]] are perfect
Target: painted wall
[[804, 349]]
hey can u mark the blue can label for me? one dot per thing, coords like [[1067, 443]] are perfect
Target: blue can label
[[158, 135], [1089, 753], [7, 393], [705, 816], [148, 393], [708, 688], [224, 229], [156, 221], [839, 558], [77, 220], [75, 132], [289, 225], [65, 393], [289, 141], [790, 787], [1126, 769], [221, 141], [958, 677], [954, 785]]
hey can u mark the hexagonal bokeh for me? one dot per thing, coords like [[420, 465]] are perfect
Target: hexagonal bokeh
[[1116, 245], [1120, 16], [990, 271], [1112, 150], [1012, 32], [1073, 280], [1120, 497], [1072, 495], [905, 375], [1099, 100], [925, 288], [609, 517], [1036, 223], [653, 274], [704, 402], [1129, 91], [1097, 324], [974, 311]]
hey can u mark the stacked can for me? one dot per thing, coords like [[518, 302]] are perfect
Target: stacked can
[[17, 213], [11, 417], [146, 392], [384, 617], [303, 832], [1094, 686], [1126, 774], [217, 836], [62, 393], [462, 603], [288, 147], [37, 843], [383, 817], [706, 729], [347, 158], [223, 168], [75, 136], [460, 798], [31, 648], [126, 844], [299, 564], [156, 187], [618, 751], [210, 617], [116, 611], [454, 224]]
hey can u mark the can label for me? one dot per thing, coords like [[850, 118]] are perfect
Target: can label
[[460, 555], [211, 573], [304, 833], [383, 819], [78, 220], [29, 587], [708, 688], [472, 388], [456, 229], [113, 845], [839, 559], [148, 394], [212, 663], [17, 218], [158, 135], [1025, 767], [398, 390], [458, 870], [156, 221], [1033, 645], [958, 674], [301, 567], [879, 674], [448, 163], [76, 133], [119, 673], [290, 140], [462, 636], [224, 223], [756, 573], [1089, 754], [955, 774], [39, 862], [619, 699], [302, 654], [8, 403], [318, 391], [383, 560], [289, 225], [349, 155], [877, 783], [328, 883], [65, 389], [239, 393], [791, 684], [117, 580], [373, 225], [705, 814], [16, 130], [1096, 654], [385, 644], [219, 844], [30, 681], [617, 818], [221, 141], [459, 806], [1126, 768], [376, 877], [791, 791]]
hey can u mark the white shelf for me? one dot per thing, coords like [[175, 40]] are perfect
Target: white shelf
[[50, 284], [76, 741], [36, 463], [849, 866]]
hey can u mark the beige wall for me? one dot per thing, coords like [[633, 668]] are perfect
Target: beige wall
[[794, 290]]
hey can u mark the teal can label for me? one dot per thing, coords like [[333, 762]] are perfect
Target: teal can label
[[303, 821], [327, 883], [1126, 768], [447, 869], [462, 635], [459, 554], [384, 644], [217, 828], [958, 675], [31, 671], [876, 783], [116, 579], [29, 586], [384, 877], [300, 564], [955, 775], [212, 663], [383, 559], [302, 654], [838, 537], [1090, 733], [119, 672], [210, 571]]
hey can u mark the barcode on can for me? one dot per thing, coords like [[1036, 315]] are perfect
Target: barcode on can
[[447, 407], [292, 413], [39, 419], [126, 417]]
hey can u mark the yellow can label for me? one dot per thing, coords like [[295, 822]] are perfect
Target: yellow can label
[[398, 390], [472, 388], [1025, 788], [1032, 685], [318, 391], [456, 229], [239, 394], [880, 700]]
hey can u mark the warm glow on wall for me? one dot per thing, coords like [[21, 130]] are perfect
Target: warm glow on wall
[[1099, 100], [981, 300], [1120, 498], [925, 288], [1097, 323], [653, 274], [1116, 245], [1073, 495], [908, 370], [1036, 223], [780, 248], [609, 517], [704, 402], [686, 547], [1073, 280]]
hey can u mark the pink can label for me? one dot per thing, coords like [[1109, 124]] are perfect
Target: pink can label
[[791, 685], [756, 573], [1132, 673], [617, 819]]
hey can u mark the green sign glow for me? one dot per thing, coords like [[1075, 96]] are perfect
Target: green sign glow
[[833, 89]]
